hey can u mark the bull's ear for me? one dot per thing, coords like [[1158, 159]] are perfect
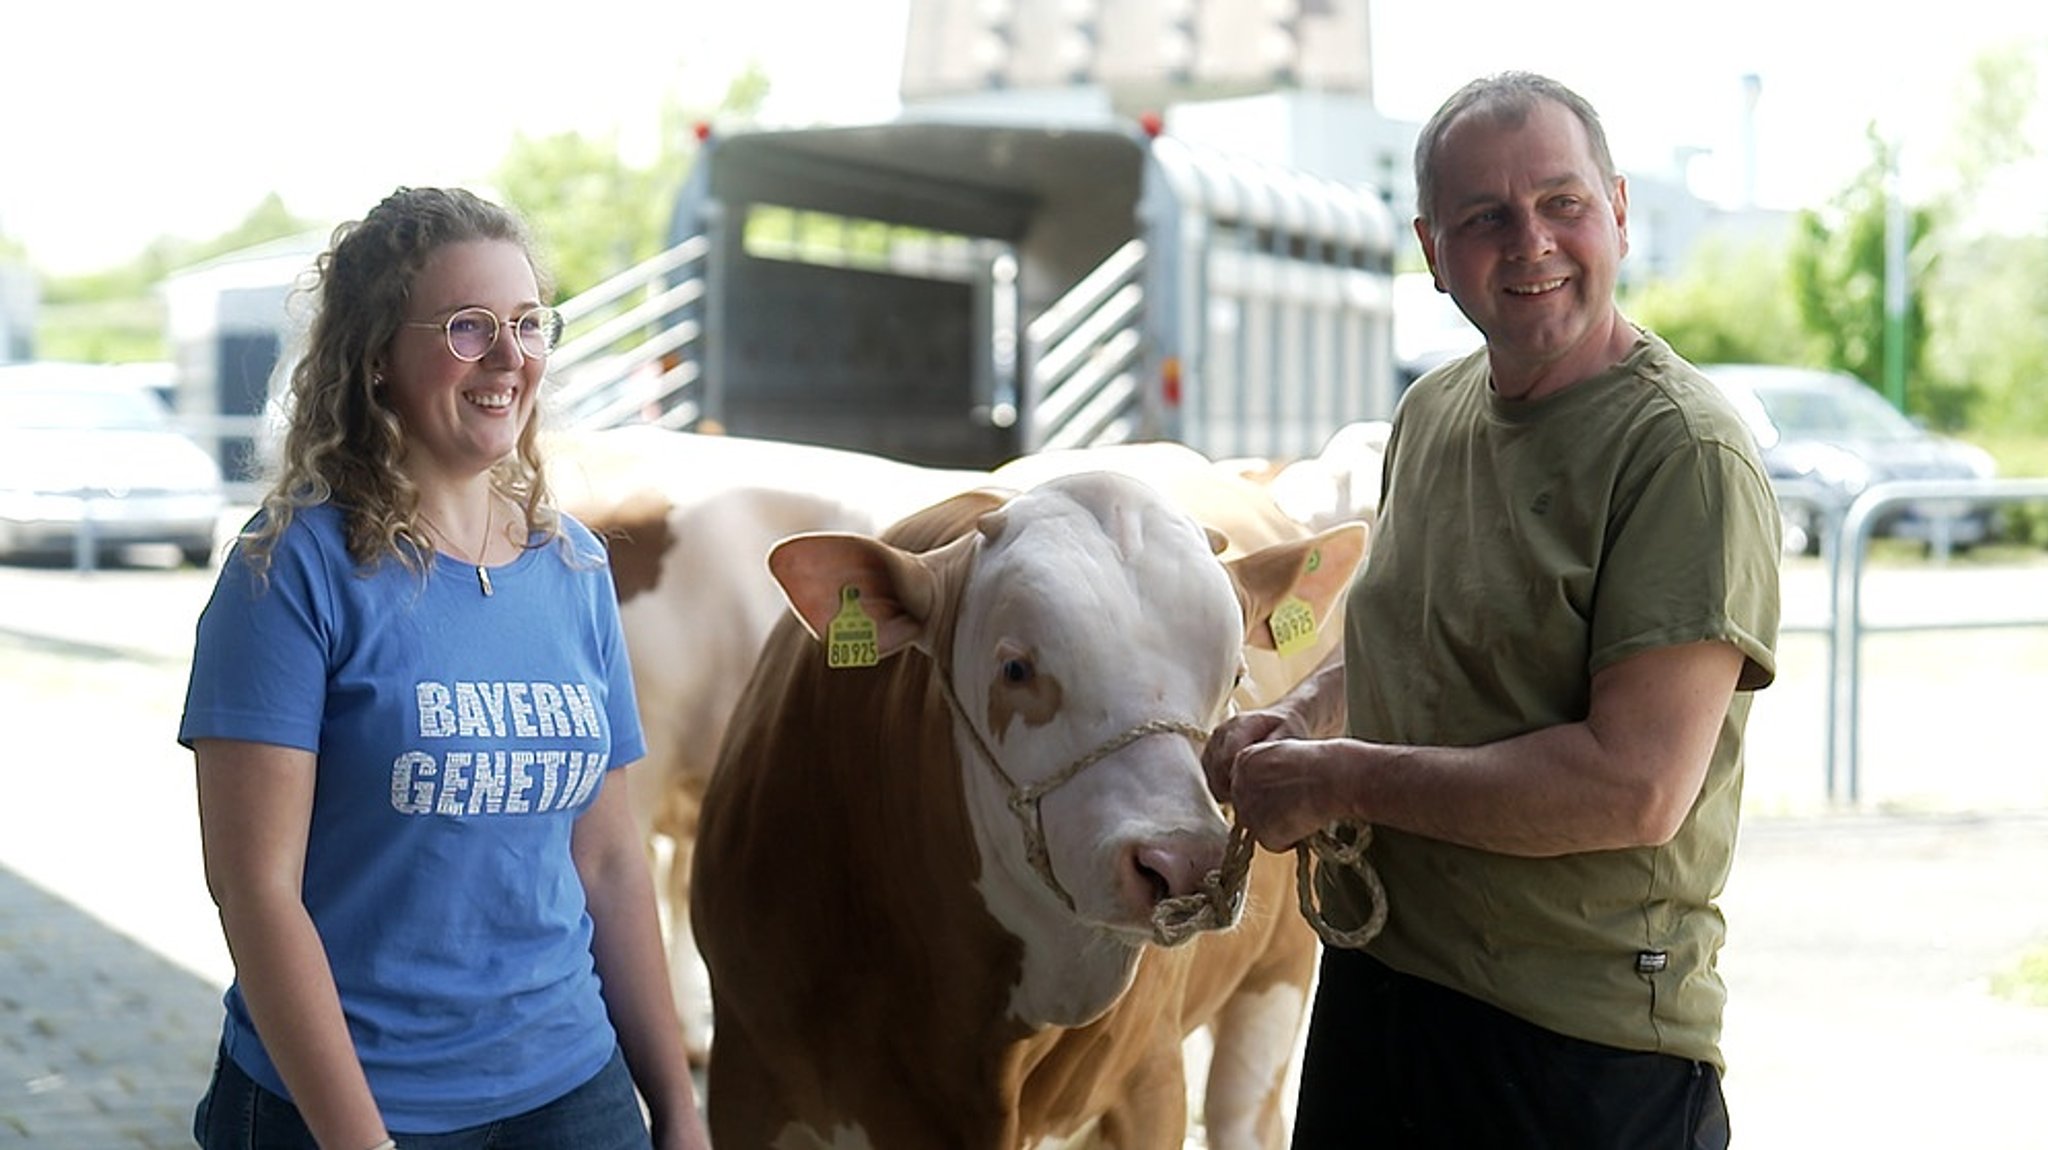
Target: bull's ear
[[1311, 573], [822, 573]]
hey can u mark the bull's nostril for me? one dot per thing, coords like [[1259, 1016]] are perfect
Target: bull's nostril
[[1159, 886], [1172, 866]]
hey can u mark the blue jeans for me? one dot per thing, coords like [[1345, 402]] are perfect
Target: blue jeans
[[601, 1114]]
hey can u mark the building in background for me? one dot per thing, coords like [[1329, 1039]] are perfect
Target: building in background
[[230, 322], [1283, 82], [1286, 82], [1144, 53]]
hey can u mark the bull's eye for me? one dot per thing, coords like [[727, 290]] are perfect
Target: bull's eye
[[1017, 672]]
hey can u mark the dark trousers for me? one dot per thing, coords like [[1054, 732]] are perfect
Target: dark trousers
[[602, 1114], [1396, 1061]]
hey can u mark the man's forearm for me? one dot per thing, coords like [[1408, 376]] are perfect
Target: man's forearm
[[1319, 701]]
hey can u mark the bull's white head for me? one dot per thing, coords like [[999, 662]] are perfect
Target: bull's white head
[[1087, 637]]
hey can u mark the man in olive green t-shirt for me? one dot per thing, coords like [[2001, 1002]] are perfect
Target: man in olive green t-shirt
[[1573, 586]]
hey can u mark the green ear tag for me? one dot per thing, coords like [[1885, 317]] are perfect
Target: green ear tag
[[1294, 625], [850, 639], [1315, 562]]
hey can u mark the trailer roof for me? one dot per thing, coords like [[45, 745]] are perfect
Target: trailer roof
[[989, 178], [1264, 195]]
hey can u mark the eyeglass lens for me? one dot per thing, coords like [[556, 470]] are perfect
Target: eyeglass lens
[[472, 332]]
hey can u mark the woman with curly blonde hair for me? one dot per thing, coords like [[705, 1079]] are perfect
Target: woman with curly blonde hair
[[343, 442], [409, 693]]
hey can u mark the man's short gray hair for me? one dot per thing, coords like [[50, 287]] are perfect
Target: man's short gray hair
[[1508, 97]]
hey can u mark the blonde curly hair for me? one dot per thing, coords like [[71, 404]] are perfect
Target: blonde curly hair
[[342, 441]]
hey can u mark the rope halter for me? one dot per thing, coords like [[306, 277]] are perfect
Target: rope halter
[[1026, 801], [1217, 905]]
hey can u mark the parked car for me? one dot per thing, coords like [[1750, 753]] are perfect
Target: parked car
[[1826, 437], [83, 447]]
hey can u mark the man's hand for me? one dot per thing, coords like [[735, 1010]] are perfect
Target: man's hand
[[1272, 773], [1282, 789], [1219, 757], [1276, 764]]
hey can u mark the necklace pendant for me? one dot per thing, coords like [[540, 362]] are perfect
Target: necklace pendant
[[483, 580]]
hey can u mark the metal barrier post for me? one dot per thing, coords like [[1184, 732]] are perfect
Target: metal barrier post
[[1823, 521], [1846, 606], [1831, 561], [85, 544], [1845, 615]]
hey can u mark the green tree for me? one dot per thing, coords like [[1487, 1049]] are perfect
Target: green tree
[[1989, 314], [269, 220], [1990, 135], [1988, 301], [1732, 304], [594, 212], [115, 316], [1838, 259]]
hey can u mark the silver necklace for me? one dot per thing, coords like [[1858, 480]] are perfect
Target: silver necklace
[[483, 573]]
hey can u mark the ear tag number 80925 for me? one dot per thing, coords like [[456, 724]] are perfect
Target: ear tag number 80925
[[850, 638], [1293, 621]]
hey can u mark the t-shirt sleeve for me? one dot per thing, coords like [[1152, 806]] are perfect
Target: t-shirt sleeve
[[260, 657], [1694, 558]]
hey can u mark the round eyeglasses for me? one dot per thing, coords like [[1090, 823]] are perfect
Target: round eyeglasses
[[473, 331]]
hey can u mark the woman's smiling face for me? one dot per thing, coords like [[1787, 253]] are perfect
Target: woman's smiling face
[[462, 418]]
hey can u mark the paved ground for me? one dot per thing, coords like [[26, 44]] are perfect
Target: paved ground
[[1860, 954], [1860, 957], [103, 1042]]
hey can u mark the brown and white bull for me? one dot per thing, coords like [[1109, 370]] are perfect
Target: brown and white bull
[[689, 520], [929, 878]]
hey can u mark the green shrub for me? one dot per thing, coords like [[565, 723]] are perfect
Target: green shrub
[[2027, 981], [2020, 456]]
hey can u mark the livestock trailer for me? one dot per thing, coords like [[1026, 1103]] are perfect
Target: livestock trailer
[[955, 292]]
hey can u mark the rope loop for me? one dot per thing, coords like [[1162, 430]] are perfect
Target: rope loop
[[1217, 905], [1327, 848]]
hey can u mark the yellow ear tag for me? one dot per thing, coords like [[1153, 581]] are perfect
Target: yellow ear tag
[[1293, 622], [850, 638]]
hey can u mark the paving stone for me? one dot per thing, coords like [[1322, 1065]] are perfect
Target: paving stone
[[103, 1044]]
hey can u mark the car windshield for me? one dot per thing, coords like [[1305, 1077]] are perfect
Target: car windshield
[[1848, 413], [81, 409]]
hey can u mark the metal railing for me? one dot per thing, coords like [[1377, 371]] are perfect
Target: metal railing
[[632, 351], [85, 548], [1844, 550], [1083, 359], [629, 353]]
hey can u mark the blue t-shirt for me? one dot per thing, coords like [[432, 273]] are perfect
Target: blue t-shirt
[[458, 737]]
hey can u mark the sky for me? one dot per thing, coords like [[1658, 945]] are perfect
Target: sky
[[125, 120]]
